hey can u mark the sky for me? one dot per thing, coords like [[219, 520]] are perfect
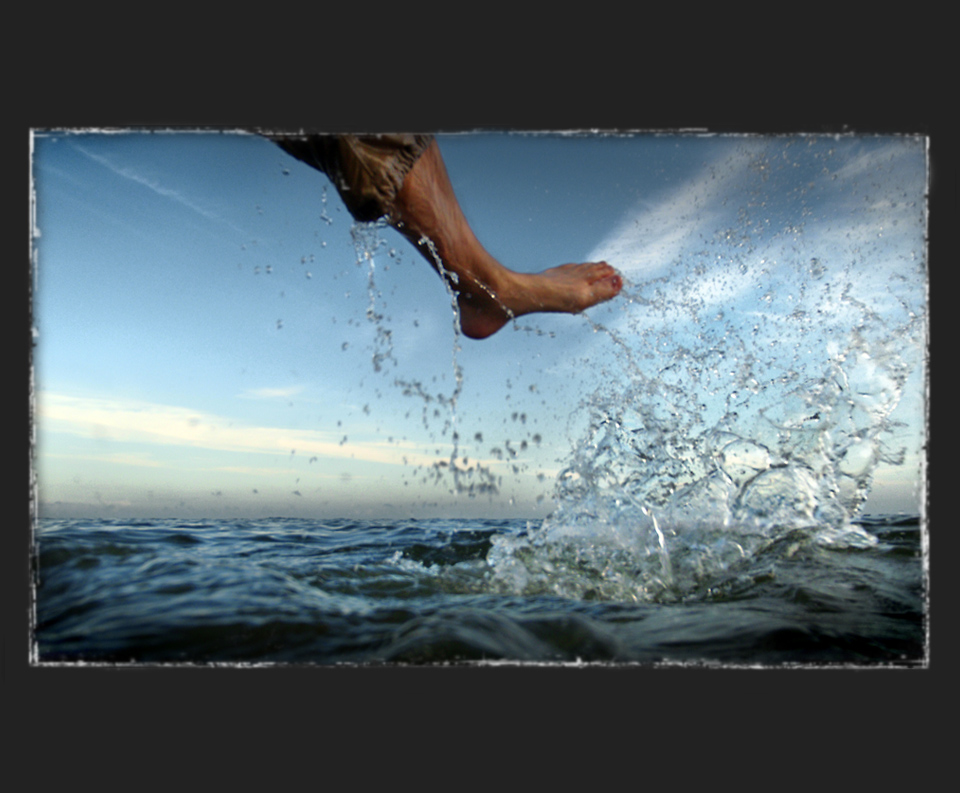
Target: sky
[[215, 336]]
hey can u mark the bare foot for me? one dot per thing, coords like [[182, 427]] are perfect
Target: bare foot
[[488, 294], [569, 288]]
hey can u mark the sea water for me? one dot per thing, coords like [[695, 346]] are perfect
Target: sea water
[[710, 511], [282, 591]]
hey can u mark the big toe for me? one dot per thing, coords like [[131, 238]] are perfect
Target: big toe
[[608, 281]]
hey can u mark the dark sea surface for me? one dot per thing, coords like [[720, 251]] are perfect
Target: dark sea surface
[[285, 591]]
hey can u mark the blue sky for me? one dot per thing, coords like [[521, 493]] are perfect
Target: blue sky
[[215, 337]]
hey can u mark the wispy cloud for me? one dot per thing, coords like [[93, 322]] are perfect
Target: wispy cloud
[[271, 393], [866, 204], [129, 421], [157, 187], [125, 459], [886, 158], [653, 233], [261, 473], [734, 245]]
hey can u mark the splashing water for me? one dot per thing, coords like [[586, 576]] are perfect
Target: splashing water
[[465, 478], [747, 394], [747, 387]]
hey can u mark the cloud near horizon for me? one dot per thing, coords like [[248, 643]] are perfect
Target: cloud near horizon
[[271, 393], [129, 421]]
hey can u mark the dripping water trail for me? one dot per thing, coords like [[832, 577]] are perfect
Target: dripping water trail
[[460, 472], [450, 279], [366, 242]]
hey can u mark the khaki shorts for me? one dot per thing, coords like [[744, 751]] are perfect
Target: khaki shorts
[[368, 171]]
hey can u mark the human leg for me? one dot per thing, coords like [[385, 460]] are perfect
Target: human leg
[[404, 178], [489, 295]]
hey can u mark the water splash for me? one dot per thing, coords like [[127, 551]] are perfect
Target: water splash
[[746, 394]]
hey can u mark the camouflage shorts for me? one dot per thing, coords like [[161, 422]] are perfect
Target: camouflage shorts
[[367, 170]]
